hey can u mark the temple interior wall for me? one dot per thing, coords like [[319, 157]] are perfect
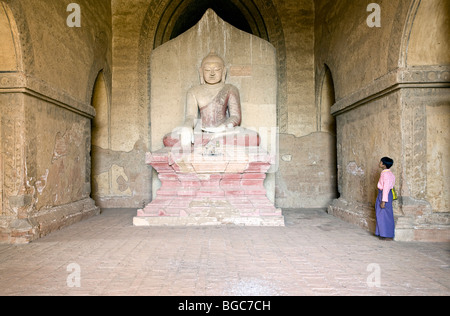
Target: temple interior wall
[[75, 115], [387, 100], [47, 78]]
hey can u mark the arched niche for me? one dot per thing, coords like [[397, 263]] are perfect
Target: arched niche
[[101, 122], [326, 124], [11, 111], [425, 39], [100, 140], [10, 53], [325, 121]]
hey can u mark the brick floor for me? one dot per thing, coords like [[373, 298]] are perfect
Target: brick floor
[[315, 254]]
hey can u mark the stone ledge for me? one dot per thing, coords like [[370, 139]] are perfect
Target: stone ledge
[[62, 216], [350, 214], [19, 82], [214, 218], [411, 77], [407, 228], [423, 234], [23, 231]]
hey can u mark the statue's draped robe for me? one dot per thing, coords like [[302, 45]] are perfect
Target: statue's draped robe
[[224, 108]]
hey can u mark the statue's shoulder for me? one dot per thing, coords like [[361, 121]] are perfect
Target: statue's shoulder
[[230, 88], [195, 89]]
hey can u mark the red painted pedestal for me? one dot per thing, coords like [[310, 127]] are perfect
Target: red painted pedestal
[[199, 188]]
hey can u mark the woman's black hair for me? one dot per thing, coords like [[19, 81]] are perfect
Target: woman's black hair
[[388, 162]]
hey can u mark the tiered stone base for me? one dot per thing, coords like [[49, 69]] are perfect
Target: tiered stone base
[[211, 190]]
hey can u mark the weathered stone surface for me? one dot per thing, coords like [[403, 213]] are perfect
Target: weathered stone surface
[[316, 185], [387, 104], [404, 124], [46, 82]]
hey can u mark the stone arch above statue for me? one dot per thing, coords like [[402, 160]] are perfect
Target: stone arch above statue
[[180, 15], [250, 63]]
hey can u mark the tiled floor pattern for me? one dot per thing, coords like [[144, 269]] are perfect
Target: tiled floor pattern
[[315, 254]]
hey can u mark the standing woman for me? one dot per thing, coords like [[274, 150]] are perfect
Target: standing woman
[[385, 227]]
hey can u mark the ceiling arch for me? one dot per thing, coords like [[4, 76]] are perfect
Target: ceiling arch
[[178, 16]]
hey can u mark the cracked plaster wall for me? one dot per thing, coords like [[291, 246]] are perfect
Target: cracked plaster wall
[[46, 83]]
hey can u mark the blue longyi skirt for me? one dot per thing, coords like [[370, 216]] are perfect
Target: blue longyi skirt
[[385, 217]]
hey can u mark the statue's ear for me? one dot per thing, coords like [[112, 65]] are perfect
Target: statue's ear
[[200, 73]]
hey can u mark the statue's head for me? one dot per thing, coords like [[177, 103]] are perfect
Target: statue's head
[[212, 70]]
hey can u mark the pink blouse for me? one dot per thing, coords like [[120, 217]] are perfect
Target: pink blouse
[[386, 183]]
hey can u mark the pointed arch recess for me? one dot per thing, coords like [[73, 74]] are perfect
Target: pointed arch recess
[[325, 121], [10, 49], [261, 16], [101, 128], [424, 39]]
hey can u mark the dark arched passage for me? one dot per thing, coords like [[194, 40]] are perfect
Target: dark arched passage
[[178, 16]]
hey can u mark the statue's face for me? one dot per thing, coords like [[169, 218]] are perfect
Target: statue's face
[[213, 70]]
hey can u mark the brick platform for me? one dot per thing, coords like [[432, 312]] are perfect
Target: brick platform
[[197, 189]]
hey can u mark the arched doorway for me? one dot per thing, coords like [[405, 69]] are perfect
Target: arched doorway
[[326, 123], [100, 140]]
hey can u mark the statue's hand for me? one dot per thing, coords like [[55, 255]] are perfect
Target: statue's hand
[[186, 136], [218, 129]]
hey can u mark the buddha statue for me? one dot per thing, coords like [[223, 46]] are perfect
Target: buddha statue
[[218, 105]]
